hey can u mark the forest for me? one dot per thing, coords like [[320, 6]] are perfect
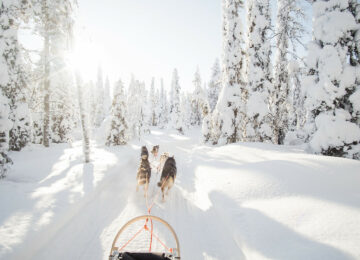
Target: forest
[[265, 148]]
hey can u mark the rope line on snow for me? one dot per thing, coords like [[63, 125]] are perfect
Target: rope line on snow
[[145, 227]]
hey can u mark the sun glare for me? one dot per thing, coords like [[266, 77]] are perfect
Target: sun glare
[[85, 58]]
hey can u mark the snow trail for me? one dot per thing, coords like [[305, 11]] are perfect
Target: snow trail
[[240, 201]]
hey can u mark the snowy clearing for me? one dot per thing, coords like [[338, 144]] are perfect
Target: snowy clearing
[[240, 201]]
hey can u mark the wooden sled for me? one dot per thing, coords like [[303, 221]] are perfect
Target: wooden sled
[[118, 251]]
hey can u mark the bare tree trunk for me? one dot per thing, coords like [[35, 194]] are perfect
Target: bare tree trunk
[[85, 129]]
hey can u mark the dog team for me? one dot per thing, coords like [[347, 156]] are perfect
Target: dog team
[[167, 167]]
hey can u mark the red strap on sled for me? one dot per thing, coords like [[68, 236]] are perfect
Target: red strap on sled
[[145, 227]]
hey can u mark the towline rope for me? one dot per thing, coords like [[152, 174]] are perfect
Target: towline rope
[[145, 227]]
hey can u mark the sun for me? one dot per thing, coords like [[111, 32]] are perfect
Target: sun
[[85, 58]]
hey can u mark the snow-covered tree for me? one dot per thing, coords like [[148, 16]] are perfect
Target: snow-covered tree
[[214, 85], [186, 109], [118, 133], [62, 106], [144, 111], [297, 112], [206, 122], [157, 107], [137, 111], [13, 82], [164, 108], [175, 112], [258, 71], [100, 98], [91, 102], [229, 114], [333, 80], [5, 126], [107, 98], [289, 30], [198, 97], [54, 20], [153, 104], [83, 118]]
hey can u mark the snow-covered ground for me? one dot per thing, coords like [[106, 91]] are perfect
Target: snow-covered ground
[[240, 201]]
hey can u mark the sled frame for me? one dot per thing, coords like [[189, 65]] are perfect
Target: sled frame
[[176, 251]]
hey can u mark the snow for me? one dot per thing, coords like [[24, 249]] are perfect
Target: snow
[[334, 25], [334, 130], [240, 201]]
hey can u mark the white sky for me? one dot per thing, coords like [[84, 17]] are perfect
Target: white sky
[[149, 38]]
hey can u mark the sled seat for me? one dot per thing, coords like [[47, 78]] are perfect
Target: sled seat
[[143, 256]]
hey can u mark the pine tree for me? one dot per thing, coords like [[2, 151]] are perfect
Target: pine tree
[[229, 114], [175, 112], [258, 128], [214, 85], [118, 134], [332, 83], [13, 81], [288, 30]]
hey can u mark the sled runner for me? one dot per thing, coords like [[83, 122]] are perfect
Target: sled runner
[[144, 226]]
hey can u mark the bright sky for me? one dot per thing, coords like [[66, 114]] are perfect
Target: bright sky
[[149, 38]]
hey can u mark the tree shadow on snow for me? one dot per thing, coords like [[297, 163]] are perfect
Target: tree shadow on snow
[[254, 231]]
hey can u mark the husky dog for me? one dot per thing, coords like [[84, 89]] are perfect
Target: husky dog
[[168, 175], [144, 171], [144, 153], [155, 151], [162, 161]]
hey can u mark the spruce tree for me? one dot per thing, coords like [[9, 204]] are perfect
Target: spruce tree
[[100, 98], [152, 104], [5, 126], [54, 21], [333, 81], [289, 30], [83, 118], [186, 109], [206, 122], [13, 82], [164, 110], [214, 86], [198, 97], [107, 98], [258, 71], [138, 114], [175, 112], [229, 115], [62, 107], [297, 111], [118, 133]]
